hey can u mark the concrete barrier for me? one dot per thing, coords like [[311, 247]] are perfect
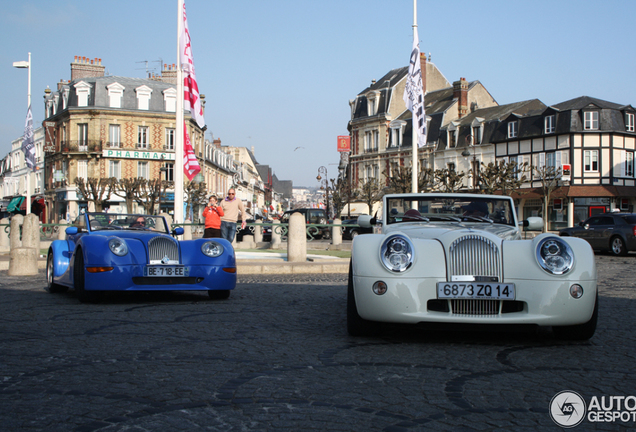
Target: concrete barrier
[[25, 246], [187, 230], [297, 239], [336, 233], [275, 241], [4, 235], [61, 233]]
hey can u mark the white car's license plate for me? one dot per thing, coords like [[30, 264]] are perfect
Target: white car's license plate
[[163, 271], [475, 290]]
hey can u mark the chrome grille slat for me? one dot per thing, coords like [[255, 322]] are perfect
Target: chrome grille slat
[[160, 247], [475, 307], [474, 255]]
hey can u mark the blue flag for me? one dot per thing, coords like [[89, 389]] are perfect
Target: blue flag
[[28, 146]]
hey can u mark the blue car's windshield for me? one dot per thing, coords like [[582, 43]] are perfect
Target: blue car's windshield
[[116, 221]]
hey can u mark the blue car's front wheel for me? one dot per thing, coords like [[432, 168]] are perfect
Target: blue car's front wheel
[[79, 280], [51, 286]]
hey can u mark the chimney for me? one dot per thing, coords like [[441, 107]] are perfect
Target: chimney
[[169, 74], [217, 143], [460, 92], [423, 67], [82, 67]]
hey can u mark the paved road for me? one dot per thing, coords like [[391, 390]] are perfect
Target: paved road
[[276, 357]]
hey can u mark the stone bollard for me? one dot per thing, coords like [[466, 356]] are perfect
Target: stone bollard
[[247, 242], [4, 235], [336, 232], [258, 234], [297, 239], [23, 260], [187, 230], [275, 242], [61, 233]]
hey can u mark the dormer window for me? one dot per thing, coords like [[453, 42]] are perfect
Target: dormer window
[[591, 120], [373, 100], [65, 98], [170, 100], [513, 129], [397, 132], [477, 129], [549, 124], [452, 135], [115, 93], [143, 97], [629, 122], [83, 91]]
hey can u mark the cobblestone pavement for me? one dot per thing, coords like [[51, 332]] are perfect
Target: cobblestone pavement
[[276, 356]]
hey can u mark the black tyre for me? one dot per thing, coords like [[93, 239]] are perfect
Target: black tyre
[[617, 246], [581, 331], [219, 294], [356, 325], [79, 280], [354, 234], [51, 286]]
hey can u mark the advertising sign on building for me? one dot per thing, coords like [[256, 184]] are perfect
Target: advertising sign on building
[[344, 143], [49, 137], [567, 172]]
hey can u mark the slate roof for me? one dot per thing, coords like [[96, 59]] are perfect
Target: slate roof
[[570, 114]]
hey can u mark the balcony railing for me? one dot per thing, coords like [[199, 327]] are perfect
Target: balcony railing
[[90, 146]]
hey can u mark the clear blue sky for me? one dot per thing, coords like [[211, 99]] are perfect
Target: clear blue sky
[[279, 74]]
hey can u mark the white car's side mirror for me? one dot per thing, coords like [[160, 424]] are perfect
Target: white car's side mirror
[[366, 221], [533, 223]]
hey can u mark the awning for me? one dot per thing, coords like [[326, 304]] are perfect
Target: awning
[[14, 204]]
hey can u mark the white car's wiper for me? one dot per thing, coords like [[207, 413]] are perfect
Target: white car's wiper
[[445, 217], [479, 218]]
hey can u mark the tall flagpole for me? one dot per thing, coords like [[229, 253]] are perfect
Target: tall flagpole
[[414, 137], [178, 171]]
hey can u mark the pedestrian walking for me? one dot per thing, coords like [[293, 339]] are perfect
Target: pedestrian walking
[[212, 215], [231, 206]]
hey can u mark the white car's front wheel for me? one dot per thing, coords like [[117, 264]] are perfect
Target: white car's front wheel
[[356, 325], [581, 331]]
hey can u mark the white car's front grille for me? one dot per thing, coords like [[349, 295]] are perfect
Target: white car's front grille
[[163, 250], [474, 255], [475, 307]]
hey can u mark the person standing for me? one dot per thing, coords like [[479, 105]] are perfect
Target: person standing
[[232, 206], [212, 215]]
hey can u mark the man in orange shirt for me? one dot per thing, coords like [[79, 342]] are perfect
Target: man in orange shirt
[[212, 214]]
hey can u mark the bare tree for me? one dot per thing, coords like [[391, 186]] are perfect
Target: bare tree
[[370, 192], [149, 192], [502, 176], [127, 188], [196, 194], [448, 180], [400, 179], [549, 177], [96, 190]]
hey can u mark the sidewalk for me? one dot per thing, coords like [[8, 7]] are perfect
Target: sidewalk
[[259, 263]]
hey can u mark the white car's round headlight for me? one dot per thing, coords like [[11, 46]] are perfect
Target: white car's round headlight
[[118, 246], [397, 253], [212, 249], [555, 256]]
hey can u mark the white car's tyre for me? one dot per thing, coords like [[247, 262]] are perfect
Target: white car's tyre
[[356, 325], [579, 332]]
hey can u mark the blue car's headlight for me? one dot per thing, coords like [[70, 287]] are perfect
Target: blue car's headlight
[[397, 253], [555, 256], [212, 249], [118, 246]]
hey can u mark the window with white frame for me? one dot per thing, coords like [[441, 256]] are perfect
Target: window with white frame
[[169, 139], [367, 141], [143, 97], [170, 100], [376, 140], [142, 169], [397, 132], [142, 137], [373, 100], [513, 129], [114, 169], [83, 91], [476, 136], [82, 136], [170, 172], [629, 122], [115, 93], [590, 160], [549, 123], [628, 164], [452, 139], [591, 120], [114, 135], [82, 169]]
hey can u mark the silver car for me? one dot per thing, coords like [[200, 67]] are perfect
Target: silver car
[[612, 232]]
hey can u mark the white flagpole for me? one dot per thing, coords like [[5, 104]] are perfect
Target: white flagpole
[[414, 137], [178, 171]]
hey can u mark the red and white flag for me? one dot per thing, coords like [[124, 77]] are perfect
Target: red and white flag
[[191, 99], [191, 165]]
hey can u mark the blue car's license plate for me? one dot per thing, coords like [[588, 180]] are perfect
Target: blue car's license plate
[[475, 290], [165, 270]]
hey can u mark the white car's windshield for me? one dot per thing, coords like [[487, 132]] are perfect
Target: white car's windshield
[[457, 209], [115, 221]]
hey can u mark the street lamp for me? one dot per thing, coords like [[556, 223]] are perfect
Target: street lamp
[[324, 184], [27, 65], [466, 155]]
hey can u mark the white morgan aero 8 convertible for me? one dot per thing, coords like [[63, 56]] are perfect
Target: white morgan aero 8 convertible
[[459, 259]]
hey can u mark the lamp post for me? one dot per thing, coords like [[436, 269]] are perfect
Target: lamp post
[[466, 155], [324, 184], [27, 65], [162, 177]]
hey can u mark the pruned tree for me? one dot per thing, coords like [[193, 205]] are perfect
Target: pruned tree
[[128, 188], [96, 190], [400, 179], [502, 176], [370, 192], [549, 177], [448, 180], [195, 194], [149, 193]]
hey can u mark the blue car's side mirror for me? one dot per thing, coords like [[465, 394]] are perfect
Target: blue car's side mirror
[[71, 230], [178, 231]]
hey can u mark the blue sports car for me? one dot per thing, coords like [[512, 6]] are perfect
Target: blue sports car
[[132, 252]]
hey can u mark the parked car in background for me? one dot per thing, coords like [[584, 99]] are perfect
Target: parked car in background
[[312, 216], [135, 252], [349, 233], [459, 259], [249, 230], [611, 232]]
